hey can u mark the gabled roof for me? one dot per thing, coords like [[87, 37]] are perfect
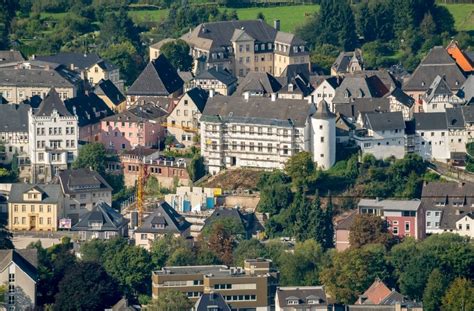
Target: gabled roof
[[25, 259], [257, 110], [437, 62], [430, 121], [391, 205], [343, 60], [466, 92], [52, 192], [109, 219], [455, 118], [199, 97], [82, 180], [439, 87], [159, 78], [211, 301], [11, 56], [163, 219], [89, 109], [461, 59], [139, 113], [222, 213], [359, 86], [79, 60], [14, 118], [303, 294], [107, 88], [376, 293], [401, 97], [50, 103], [386, 121], [346, 223], [259, 82], [363, 105], [221, 75]]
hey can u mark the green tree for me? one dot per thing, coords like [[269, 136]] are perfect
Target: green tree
[[92, 156], [86, 286], [170, 300], [427, 26], [352, 271], [221, 242], [93, 251], [301, 227], [178, 54], [181, 257], [125, 55], [368, 229], [248, 249], [5, 237], [324, 56], [196, 168], [300, 167], [459, 296], [162, 249], [275, 192], [434, 291], [3, 290]]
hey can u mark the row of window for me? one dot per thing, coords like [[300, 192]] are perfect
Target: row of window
[[240, 298], [254, 129], [23, 220], [124, 124], [41, 131], [32, 208], [186, 112], [436, 224], [468, 227], [251, 147]]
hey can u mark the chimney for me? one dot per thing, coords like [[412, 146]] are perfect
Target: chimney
[[211, 93], [246, 96], [276, 24], [274, 97]]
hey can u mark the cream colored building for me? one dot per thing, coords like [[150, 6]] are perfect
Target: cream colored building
[[244, 46], [155, 48], [465, 225], [183, 121], [34, 207]]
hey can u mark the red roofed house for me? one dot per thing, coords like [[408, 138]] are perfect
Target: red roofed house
[[461, 59]]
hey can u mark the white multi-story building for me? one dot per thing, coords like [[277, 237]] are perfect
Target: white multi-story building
[[439, 97], [261, 132], [53, 136]]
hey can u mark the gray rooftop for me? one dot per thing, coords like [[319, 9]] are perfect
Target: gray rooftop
[[391, 205], [386, 121], [108, 218], [14, 118], [11, 56], [258, 82], [303, 294], [211, 301], [359, 86], [82, 180], [430, 121], [51, 193], [221, 75], [163, 219], [25, 259], [257, 110], [50, 103]]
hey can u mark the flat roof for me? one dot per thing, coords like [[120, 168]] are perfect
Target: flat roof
[[394, 205]]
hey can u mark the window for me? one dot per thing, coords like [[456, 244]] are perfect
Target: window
[[468, 227], [285, 149], [41, 220], [242, 146], [143, 236], [260, 147], [11, 277], [428, 224], [395, 230], [428, 214], [407, 226], [23, 208], [11, 288], [322, 139], [270, 148], [49, 208], [49, 220], [11, 300], [437, 214]]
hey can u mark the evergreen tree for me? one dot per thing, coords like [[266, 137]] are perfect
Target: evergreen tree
[[317, 218], [5, 237], [302, 223], [329, 226], [434, 291]]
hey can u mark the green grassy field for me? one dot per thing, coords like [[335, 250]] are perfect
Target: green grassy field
[[147, 15], [463, 15]]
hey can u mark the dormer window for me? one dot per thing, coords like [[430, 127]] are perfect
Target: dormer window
[[313, 302], [347, 94], [293, 302]]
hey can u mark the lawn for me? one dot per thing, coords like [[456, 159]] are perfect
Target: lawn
[[140, 16], [463, 15]]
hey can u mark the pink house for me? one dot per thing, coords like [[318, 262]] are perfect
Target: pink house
[[403, 216], [138, 126]]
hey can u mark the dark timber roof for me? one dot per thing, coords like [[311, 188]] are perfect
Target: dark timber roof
[[50, 103]]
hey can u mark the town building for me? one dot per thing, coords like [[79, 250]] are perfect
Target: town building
[[89, 110], [154, 50], [379, 297], [359, 86], [161, 221], [383, 135], [183, 121], [296, 82], [83, 189], [438, 61], [245, 46], [439, 97], [466, 92], [158, 79], [356, 109], [167, 171], [261, 84], [343, 229], [263, 132], [211, 301], [348, 62], [19, 273], [309, 298], [221, 81], [13, 131], [325, 88], [91, 67], [111, 95], [102, 222], [34, 207], [23, 80], [141, 125], [404, 217], [245, 221], [448, 207], [251, 287], [53, 138], [400, 101], [462, 60]]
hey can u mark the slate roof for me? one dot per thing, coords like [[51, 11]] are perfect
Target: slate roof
[[222, 212], [323, 112], [303, 294], [359, 86], [435, 63], [439, 87], [455, 118], [317, 80], [346, 223], [82, 180], [51, 192], [159, 78], [50, 103], [199, 97], [363, 105], [25, 259], [343, 60], [296, 75], [79, 60], [138, 113], [14, 118], [402, 97], [11, 56], [386, 121], [213, 301], [221, 75], [163, 214], [257, 110], [391, 205], [430, 121], [258, 82], [466, 92], [160, 43], [89, 109], [107, 88], [102, 213]]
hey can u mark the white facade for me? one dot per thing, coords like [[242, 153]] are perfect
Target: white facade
[[441, 103], [383, 145], [53, 141], [324, 91], [14, 142], [433, 144], [465, 226], [323, 141]]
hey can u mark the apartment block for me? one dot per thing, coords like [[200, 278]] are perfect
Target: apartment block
[[249, 288]]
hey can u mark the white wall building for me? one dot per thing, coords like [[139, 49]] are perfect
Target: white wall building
[[326, 90], [261, 132], [323, 136], [439, 97], [465, 225], [53, 137]]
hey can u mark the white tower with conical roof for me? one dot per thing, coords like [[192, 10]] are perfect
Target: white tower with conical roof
[[323, 130]]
